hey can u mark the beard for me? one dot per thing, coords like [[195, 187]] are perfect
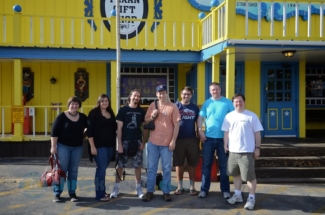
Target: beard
[[135, 101]]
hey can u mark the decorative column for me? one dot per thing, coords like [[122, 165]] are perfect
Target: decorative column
[[113, 87], [216, 68], [230, 73], [201, 86], [18, 98]]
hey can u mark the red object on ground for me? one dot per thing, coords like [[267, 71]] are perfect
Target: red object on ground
[[214, 170]]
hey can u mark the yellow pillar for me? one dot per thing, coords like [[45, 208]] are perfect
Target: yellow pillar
[[201, 85], [18, 97], [113, 87], [230, 74], [302, 99], [216, 68]]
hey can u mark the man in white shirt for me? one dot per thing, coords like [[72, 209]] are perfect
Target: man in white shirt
[[242, 138]]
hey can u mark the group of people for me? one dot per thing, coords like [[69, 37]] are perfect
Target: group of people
[[225, 128]]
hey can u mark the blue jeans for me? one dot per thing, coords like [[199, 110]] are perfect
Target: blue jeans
[[102, 159], [210, 145], [69, 159], [154, 153]]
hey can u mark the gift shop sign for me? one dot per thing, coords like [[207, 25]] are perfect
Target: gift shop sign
[[129, 9], [17, 114]]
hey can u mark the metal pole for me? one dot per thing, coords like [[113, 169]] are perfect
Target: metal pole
[[118, 55]]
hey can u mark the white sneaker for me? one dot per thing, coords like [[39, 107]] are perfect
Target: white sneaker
[[226, 195], [115, 192], [202, 194], [235, 198], [250, 204], [140, 193]]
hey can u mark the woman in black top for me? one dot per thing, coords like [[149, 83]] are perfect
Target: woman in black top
[[66, 141], [102, 139]]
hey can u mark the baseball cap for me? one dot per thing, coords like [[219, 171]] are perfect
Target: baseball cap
[[161, 88]]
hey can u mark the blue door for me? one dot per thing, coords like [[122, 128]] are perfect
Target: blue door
[[279, 97]]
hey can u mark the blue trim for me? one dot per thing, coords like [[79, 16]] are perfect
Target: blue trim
[[108, 80], [199, 6], [99, 55], [89, 12], [157, 14], [212, 50]]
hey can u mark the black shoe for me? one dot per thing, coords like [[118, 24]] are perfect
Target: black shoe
[[167, 197], [73, 197], [57, 198]]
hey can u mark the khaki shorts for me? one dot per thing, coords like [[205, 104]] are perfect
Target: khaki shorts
[[242, 164], [186, 148]]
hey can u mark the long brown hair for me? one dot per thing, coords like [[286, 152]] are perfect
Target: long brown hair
[[109, 107], [129, 97]]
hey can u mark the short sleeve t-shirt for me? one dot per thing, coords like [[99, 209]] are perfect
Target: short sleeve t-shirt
[[214, 112], [189, 114], [168, 115], [241, 127], [132, 119]]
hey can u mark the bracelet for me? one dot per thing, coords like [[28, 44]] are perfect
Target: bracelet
[[257, 147]]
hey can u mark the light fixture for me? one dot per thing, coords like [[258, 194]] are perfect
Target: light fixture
[[289, 53], [53, 80]]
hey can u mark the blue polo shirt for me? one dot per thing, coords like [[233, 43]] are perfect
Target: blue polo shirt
[[214, 112]]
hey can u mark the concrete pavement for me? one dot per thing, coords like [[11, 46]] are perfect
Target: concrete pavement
[[20, 194]]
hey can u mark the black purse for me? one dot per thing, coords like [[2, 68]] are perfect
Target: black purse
[[151, 125]]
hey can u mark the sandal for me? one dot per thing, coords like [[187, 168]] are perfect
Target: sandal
[[105, 199], [193, 192], [178, 191]]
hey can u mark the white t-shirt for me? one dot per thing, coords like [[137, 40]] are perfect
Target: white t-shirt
[[241, 127]]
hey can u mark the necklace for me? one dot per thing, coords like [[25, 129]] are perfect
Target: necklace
[[73, 114]]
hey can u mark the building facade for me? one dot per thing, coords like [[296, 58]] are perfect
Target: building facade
[[270, 51]]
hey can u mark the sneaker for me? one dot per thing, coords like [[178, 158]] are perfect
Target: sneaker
[[115, 192], [57, 198], [235, 198], [167, 197], [147, 197], [140, 193], [226, 195], [73, 197], [202, 194], [250, 204]]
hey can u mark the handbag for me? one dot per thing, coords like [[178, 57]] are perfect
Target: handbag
[[151, 125], [52, 178]]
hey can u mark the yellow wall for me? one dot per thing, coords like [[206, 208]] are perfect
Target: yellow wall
[[182, 70], [45, 92]]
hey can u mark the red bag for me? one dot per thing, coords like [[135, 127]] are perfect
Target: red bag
[[52, 178]]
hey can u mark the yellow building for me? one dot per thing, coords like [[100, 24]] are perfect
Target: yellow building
[[270, 51]]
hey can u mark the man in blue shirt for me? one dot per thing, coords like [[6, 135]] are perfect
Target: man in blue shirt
[[214, 111], [187, 143]]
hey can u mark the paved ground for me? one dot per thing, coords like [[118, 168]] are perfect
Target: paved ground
[[20, 194]]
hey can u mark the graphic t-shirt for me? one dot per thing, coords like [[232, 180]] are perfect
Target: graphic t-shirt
[[189, 114], [132, 119]]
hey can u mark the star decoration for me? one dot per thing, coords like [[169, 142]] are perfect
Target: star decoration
[[287, 113], [272, 113]]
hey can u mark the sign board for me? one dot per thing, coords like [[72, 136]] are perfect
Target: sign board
[[17, 114]]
